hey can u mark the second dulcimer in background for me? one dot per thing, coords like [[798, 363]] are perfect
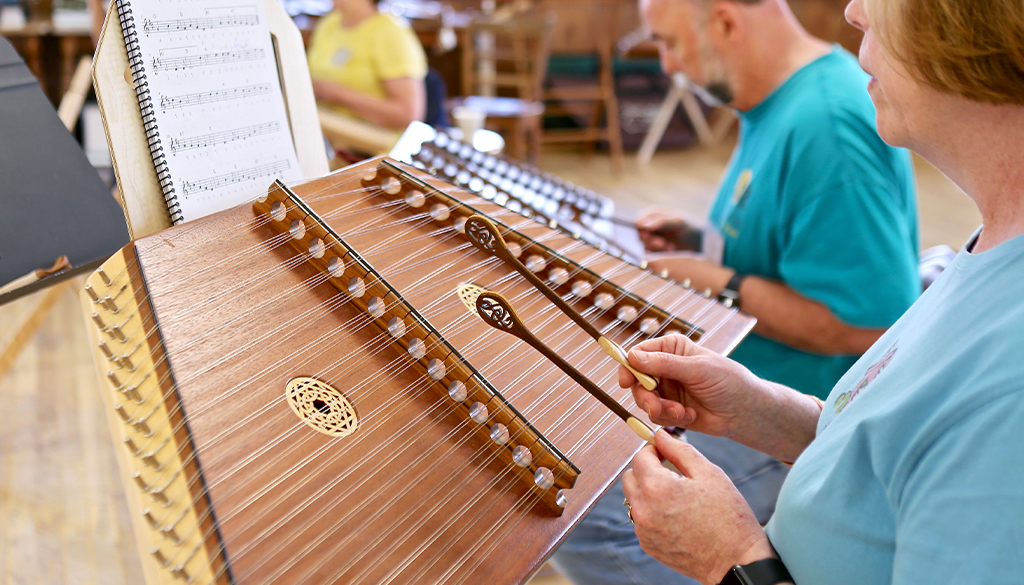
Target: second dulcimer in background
[[299, 394]]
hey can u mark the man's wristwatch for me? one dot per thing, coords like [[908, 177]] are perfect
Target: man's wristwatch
[[763, 572], [730, 295]]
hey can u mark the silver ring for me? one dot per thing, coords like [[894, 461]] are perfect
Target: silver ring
[[629, 511]]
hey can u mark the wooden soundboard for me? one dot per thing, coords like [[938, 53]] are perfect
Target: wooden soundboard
[[440, 451]]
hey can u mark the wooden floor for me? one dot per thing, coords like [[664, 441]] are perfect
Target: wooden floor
[[62, 513]]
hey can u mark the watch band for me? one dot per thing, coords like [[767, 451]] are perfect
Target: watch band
[[730, 295], [762, 572]]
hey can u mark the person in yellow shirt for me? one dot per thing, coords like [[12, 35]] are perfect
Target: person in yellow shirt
[[368, 65]]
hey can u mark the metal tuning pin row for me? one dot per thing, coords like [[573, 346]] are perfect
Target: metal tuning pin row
[[135, 375], [535, 460], [559, 273]]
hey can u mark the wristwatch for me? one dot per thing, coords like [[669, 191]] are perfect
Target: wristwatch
[[763, 572], [730, 295]]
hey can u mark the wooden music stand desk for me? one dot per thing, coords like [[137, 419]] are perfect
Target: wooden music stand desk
[[141, 199]]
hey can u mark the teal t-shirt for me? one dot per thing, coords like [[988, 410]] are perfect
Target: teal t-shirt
[[814, 198], [917, 471]]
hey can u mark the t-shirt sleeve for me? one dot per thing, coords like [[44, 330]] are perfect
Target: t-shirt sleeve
[[850, 243], [318, 53], [960, 519], [397, 53]]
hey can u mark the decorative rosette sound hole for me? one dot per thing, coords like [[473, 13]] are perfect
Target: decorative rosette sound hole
[[468, 294], [321, 407]]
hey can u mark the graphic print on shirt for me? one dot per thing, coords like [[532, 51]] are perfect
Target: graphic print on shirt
[[341, 57], [847, 397], [733, 222]]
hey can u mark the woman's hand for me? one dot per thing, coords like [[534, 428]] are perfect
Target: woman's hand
[[696, 523], [712, 394], [699, 388]]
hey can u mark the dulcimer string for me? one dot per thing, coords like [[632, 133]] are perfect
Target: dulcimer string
[[471, 503]]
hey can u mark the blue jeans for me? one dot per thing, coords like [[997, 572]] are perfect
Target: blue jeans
[[603, 549]]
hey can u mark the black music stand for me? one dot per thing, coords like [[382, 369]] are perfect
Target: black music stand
[[52, 201]]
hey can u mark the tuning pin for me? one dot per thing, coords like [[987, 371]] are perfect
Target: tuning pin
[[99, 322], [116, 331], [159, 556], [122, 414], [113, 380], [179, 573], [159, 496], [170, 534], [643, 265], [106, 350], [109, 304], [103, 276], [137, 478], [686, 283], [664, 274], [132, 393], [153, 523], [127, 363], [141, 426], [149, 459], [130, 445], [92, 293]]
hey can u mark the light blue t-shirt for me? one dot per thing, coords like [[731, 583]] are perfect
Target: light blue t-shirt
[[814, 198], [916, 475]]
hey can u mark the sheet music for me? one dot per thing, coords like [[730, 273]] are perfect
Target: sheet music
[[217, 100]]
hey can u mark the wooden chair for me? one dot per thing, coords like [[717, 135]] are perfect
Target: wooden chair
[[504, 62], [587, 28]]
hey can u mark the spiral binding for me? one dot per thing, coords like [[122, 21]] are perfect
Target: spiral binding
[[131, 42]]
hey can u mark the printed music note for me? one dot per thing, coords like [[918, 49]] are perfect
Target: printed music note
[[211, 100], [185, 24], [215, 138], [209, 97], [208, 60], [213, 183]]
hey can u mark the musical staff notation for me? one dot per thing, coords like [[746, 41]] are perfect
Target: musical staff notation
[[215, 182], [186, 24], [215, 138], [168, 102], [208, 60]]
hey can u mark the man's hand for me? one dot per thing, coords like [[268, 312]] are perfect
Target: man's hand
[[666, 230], [696, 523]]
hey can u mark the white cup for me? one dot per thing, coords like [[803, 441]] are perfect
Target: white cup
[[468, 121]]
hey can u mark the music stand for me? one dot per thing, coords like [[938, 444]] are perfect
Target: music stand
[[53, 201], [142, 201]]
